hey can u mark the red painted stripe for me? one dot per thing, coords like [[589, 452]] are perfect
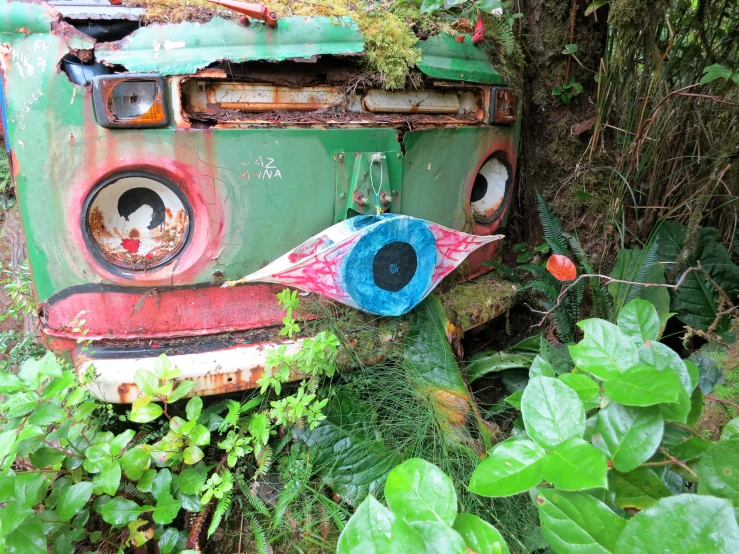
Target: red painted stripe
[[169, 313]]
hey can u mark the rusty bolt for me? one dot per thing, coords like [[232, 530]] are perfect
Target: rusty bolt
[[341, 155], [386, 198], [361, 199]]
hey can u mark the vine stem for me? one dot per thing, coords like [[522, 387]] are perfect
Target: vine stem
[[672, 460]]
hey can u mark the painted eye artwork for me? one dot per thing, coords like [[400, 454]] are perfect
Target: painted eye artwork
[[381, 264]]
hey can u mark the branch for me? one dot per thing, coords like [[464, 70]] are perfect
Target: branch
[[713, 398]]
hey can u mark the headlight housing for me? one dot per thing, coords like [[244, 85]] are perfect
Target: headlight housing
[[130, 100], [136, 221], [491, 189]]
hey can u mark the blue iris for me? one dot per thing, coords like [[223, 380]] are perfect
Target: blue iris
[[389, 269]]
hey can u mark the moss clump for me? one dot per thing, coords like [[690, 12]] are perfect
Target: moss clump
[[390, 29]]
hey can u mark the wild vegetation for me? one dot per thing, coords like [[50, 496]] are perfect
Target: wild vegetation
[[608, 421]]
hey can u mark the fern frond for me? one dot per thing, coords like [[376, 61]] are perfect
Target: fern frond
[[264, 461], [215, 409], [292, 490], [334, 511], [126, 488], [251, 404], [260, 537], [541, 286], [646, 262], [542, 274], [231, 417], [507, 272], [224, 504], [551, 226], [259, 428], [564, 324]]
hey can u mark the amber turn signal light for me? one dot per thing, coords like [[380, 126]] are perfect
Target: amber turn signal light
[[130, 101], [503, 106]]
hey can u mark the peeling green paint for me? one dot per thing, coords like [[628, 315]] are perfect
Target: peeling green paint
[[186, 47], [22, 17], [445, 58]]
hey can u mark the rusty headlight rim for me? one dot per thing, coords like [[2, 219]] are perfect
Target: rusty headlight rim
[[500, 211], [94, 248]]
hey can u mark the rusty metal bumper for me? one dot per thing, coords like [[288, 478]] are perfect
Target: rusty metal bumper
[[224, 368]]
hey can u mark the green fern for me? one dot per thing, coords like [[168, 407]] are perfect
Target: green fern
[[334, 511], [552, 227], [231, 417], [506, 271], [260, 537], [223, 505], [542, 286], [126, 488], [541, 274], [249, 406]]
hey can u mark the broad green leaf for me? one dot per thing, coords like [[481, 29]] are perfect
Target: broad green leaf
[[109, 478], [696, 407], [577, 522], [46, 413], [575, 465], [32, 369], [417, 490], [731, 430], [685, 523], [167, 508], [512, 467], [97, 457], [500, 361], [135, 461], [638, 489], [552, 412], [681, 443], [121, 441], [46, 457], [161, 483], [199, 436], [439, 538], [718, 472], [192, 455], [73, 500], [121, 511], [639, 320], [144, 412], [584, 386], [373, 529], [193, 408], [643, 385], [479, 535], [146, 381], [434, 373], [606, 351], [345, 451], [715, 71], [515, 399], [182, 390], [677, 411], [191, 479], [28, 538], [629, 436], [635, 265], [540, 367], [665, 358], [167, 543], [9, 383]]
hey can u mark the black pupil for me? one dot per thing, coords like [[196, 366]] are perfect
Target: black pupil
[[394, 266], [479, 188], [133, 199]]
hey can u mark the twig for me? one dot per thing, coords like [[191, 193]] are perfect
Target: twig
[[713, 398], [678, 462], [709, 97], [573, 12]]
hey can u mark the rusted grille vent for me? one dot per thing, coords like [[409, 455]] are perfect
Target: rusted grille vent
[[227, 102]]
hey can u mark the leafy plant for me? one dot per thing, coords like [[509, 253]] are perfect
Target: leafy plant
[[421, 517], [19, 288], [615, 435], [565, 92]]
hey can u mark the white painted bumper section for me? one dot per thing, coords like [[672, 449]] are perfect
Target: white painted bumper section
[[219, 371]]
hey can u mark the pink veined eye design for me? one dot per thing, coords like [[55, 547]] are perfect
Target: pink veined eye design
[[381, 264]]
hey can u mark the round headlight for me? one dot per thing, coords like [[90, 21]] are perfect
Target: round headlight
[[490, 190], [137, 221]]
